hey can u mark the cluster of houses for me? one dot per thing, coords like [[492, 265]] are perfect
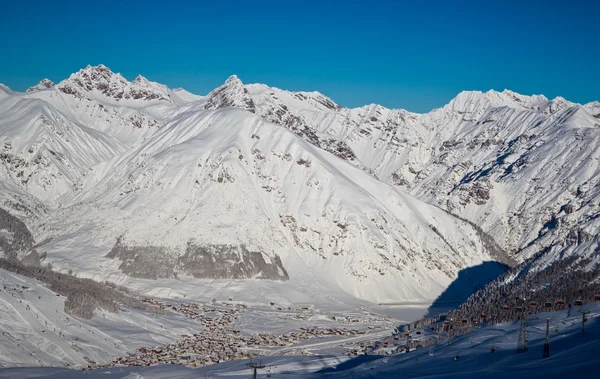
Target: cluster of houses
[[217, 341]]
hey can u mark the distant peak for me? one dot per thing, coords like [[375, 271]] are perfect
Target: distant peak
[[101, 79], [43, 84], [231, 94], [233, 79], [140, 79], [99, 69]]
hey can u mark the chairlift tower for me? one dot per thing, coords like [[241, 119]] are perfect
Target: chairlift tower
[[522, 347], [583, 320], [255, 364], [547, 344]]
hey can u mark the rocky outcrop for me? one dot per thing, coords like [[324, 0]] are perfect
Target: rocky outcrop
[[199, 261]]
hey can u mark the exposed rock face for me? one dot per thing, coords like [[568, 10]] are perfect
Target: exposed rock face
[[229, 262], [205, 262]]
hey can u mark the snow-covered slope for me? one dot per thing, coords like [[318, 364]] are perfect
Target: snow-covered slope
[[45, 152], [524, 168], [235, 188], [37, 332]]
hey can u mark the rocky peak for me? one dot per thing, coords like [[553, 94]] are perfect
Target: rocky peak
[[101, 79], [140, 80], [232, 93], [43, 84], [234, 80]]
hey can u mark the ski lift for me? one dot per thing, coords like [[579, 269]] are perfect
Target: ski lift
[[506, 308], [406, 334], [533, 304], [418, 332], [446, 323], [432, 329], [458, 323], [519, 309], [578, 303], [597, 298], [465, 321], [483, 315], [548, 304], [560, 303]]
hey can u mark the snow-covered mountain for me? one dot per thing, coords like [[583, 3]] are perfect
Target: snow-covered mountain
[[140, 181], [244, 198], [198, 188], [524, 168]]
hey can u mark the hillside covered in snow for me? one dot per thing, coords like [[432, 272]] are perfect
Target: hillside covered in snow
[[131, 180], [144, 185]]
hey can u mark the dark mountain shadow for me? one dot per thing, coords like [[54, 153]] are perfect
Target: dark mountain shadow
[[349, 364], [469, 280]]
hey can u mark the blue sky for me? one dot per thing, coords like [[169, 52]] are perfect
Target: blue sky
[[415, 55]]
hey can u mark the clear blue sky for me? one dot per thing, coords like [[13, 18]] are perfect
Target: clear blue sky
[[415, 55]]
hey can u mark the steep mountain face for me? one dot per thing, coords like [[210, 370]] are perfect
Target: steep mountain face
[[151, 183], [243, 198], [524, 168], [508, 162]]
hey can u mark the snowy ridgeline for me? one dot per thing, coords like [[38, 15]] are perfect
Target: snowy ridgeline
[[489, 352]]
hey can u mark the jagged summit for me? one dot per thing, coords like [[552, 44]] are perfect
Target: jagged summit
[[42, 85], [232, 94], [101, 80]]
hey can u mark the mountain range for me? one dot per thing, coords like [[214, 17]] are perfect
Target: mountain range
[[135, 182]]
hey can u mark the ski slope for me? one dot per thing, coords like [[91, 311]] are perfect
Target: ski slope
[[36, 331]]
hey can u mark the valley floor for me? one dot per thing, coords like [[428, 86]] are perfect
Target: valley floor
[[571, 353]]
